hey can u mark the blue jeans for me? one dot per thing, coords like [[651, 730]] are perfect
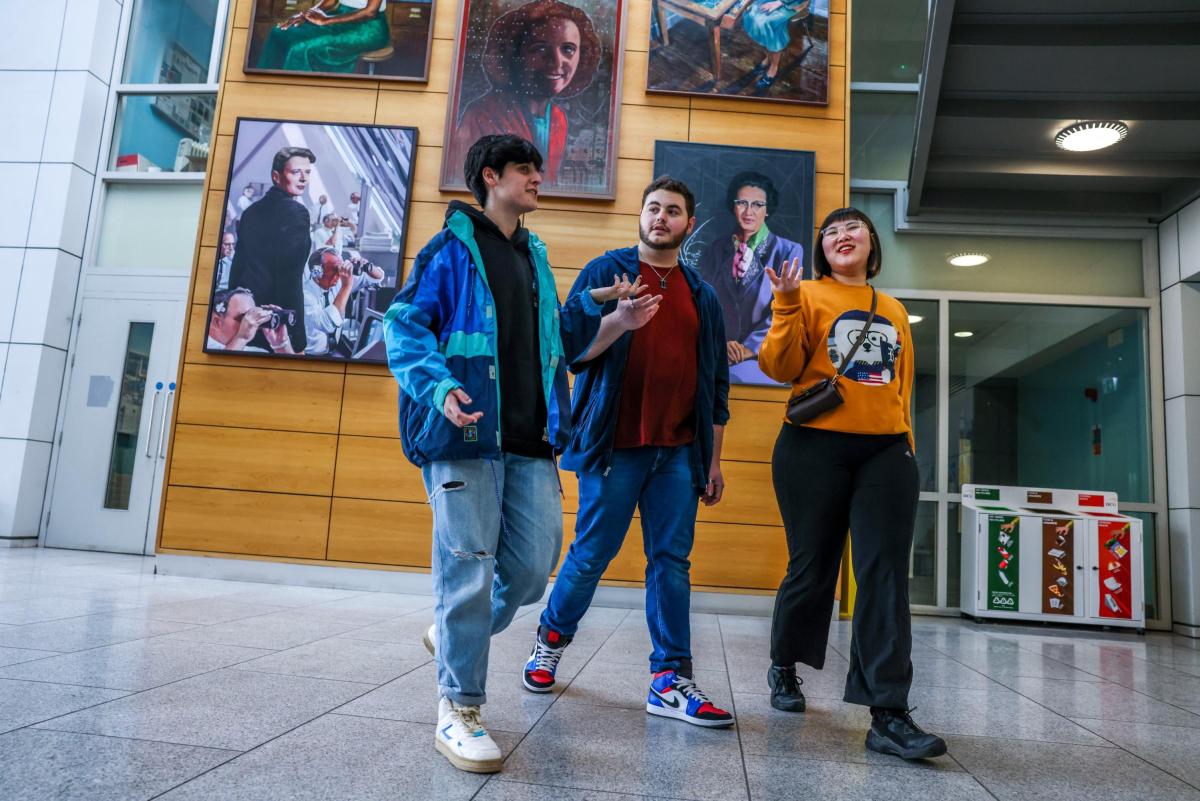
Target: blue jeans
[[659, 482], [497, 534]]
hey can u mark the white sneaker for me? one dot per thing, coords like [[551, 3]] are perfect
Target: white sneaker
[[429, 639], [461, 738]]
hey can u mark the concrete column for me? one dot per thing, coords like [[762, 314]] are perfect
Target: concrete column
[[1179, 256], [56, 71]]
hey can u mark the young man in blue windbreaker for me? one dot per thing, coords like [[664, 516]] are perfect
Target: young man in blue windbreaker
[[479, 346], [648, 419]]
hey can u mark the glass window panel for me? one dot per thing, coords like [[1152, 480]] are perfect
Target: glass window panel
[[888, 40], [149, 226], [923, 319], [128, 424], [163, 133], [170, 41], [1018, 264], [922, 571], [954, 555], [882, 129], [1150, 560], [1050, 396]]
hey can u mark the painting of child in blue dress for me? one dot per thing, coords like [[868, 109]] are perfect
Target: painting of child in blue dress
[[768, 23], [733, 263]]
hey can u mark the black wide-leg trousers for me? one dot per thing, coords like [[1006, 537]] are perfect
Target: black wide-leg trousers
[[828, 482]]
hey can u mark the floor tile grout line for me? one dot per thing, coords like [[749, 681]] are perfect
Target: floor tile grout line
[[499, 777], [255, 748], [236, 752], [1137, 756], [1110, 683], [733, 703]]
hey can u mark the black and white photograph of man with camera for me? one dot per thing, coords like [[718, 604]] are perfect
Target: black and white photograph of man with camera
[[297, 275]]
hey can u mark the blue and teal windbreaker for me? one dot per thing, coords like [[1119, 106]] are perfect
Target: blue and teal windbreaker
[[440, 333]]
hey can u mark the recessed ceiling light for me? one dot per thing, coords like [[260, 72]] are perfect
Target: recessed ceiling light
[[1091, 135], [964, 334], [913, 319], [968, 259]]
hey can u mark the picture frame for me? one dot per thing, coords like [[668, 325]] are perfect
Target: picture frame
[[735, 238], [312, 237], [366, 53], [493, 89]]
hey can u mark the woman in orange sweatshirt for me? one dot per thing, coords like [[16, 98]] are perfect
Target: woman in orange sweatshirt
[[851, 467]]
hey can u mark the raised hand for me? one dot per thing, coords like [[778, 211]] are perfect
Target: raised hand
[[452, 408], [788, 278], [620, 289], [633, 313]]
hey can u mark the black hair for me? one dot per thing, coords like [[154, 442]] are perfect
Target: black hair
[[496, 151], [281, 158], [757, 180], [669, 184], [874, 261]]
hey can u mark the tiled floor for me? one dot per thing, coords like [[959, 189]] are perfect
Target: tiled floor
[[119, 684]]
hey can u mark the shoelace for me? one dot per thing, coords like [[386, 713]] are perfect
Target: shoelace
[[688, 687], [546, 657], [470, 716], [790, 681]]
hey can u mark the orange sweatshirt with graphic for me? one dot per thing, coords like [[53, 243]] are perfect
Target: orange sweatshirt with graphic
[[812, 330]]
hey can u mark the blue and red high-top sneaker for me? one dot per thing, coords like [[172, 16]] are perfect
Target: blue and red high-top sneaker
[[676, 696], [548, 647]]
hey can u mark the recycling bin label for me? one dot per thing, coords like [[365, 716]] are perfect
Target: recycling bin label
[[1004, 591], [1058, 566]]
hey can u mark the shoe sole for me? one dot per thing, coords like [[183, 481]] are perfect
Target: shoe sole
[[428, 643], [533, 688], [882, 745], [664, 712], [797, 708], [469, 765]]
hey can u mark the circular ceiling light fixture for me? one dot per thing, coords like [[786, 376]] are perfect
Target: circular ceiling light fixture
[[968, 259], [964, 334], [1091, 135], [913, 319]]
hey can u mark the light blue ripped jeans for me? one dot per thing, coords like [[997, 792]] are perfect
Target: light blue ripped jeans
[[497, 534]]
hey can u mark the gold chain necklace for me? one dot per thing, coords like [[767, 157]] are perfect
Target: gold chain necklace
[[662, 277]]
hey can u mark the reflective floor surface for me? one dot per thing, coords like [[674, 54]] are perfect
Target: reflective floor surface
[[116, 683]]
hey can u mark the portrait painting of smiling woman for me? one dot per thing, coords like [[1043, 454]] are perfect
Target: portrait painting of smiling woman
[[548, 71]]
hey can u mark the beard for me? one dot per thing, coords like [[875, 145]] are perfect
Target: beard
[[671, 244]]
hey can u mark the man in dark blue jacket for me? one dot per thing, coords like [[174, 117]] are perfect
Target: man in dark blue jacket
[[479, 346], [648, 417]]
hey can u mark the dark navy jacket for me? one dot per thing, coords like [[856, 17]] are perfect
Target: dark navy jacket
[[595, 399]]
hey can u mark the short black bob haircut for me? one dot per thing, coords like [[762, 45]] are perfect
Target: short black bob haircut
[[874, 261], [757, 180], [669, 184], [496, 151]]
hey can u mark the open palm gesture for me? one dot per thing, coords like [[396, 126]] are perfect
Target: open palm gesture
[[788, 278]]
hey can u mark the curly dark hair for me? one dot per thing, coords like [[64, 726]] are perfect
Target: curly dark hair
[[755, 179], [509, 31]]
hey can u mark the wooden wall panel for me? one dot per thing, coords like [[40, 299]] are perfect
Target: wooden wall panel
[[300, 460], [258, 523]]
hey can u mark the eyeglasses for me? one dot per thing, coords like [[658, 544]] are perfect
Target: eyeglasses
[[834, 231], [742, 205]]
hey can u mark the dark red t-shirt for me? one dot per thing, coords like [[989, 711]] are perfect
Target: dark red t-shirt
[[658, 391]]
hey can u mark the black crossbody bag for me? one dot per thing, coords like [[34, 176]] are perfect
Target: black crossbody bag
[[823, 396]]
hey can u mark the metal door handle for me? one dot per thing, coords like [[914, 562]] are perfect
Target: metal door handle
[[162, 428], [150, 430]]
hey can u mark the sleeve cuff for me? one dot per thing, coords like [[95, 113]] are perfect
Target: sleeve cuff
[[441, 391], [589, 304], [788, 298]]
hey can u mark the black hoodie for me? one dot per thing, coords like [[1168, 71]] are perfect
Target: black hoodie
[[510, 274]]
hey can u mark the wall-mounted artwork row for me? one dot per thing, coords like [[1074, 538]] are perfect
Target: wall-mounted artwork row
[[312, 240], [548, 71], [371, 39]]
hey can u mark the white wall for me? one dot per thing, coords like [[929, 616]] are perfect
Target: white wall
[[1179, 258], [55, 75]]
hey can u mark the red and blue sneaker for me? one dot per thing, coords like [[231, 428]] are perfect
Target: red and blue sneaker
[[548, 647], [673, 695]]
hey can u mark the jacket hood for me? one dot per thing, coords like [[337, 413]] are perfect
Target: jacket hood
[[485, 226]]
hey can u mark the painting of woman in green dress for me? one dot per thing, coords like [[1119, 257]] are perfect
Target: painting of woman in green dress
[[342, 37]]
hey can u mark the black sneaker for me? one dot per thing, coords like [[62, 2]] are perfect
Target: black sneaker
[[785, 688], [894, 732]]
